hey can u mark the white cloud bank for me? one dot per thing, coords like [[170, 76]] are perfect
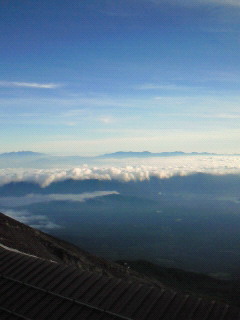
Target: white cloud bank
[[28, 85], [127, 169]]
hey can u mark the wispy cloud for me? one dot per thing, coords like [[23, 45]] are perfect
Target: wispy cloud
[[106, 120], [29, 84], [156, 86], [38, 198], [35, 221], [234, 3], [228, 116]]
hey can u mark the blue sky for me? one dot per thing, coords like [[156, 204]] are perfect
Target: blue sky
[[97, 76]]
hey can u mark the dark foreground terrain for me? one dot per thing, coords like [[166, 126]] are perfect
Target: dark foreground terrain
[[46, 278]]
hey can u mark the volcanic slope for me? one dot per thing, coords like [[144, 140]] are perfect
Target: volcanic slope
[[45, 278], [20, 237]]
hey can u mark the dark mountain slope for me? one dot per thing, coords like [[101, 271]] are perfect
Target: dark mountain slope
[[56, 280], [23, 238], [189, 282]]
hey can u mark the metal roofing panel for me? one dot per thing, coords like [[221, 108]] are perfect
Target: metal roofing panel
[[88, 314], [25, 272], [46, 276], [49, 309], [65, 280], [105, 291], [162, 304], [74, 280], [96, 289], [5, 287], [123, 304], [10, 315], [84, 313], [8, 264], [61, 305], [96, 316], [93, 293], [174, 308], [189, 308], [116, 294], [16, 298], [72, 291], [219, 311], [232, 314], [5, 256], [30, 300], [86, 287], [10, 293], [35, 273], [146, 307], [137, 302], [71, 313], [203, 310], [45, 305], [21, 270]]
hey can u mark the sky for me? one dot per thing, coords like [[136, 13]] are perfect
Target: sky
[[99, 76]]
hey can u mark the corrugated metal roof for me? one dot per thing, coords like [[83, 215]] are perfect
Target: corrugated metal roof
[[32, 288]]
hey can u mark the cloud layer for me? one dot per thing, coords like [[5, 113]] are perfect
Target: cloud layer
[[127, 170]]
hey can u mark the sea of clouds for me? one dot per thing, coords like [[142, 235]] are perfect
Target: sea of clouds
[[126, 170]]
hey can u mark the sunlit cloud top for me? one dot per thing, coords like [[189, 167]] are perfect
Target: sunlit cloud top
[[127, 170]]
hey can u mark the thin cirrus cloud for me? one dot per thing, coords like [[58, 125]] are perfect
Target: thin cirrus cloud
[[106, 120], [234, 3], [15, 84], [155, 86]]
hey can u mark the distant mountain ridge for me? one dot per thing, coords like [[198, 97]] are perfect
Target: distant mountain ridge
[[21, 154], [116, 155], [147, 154]]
